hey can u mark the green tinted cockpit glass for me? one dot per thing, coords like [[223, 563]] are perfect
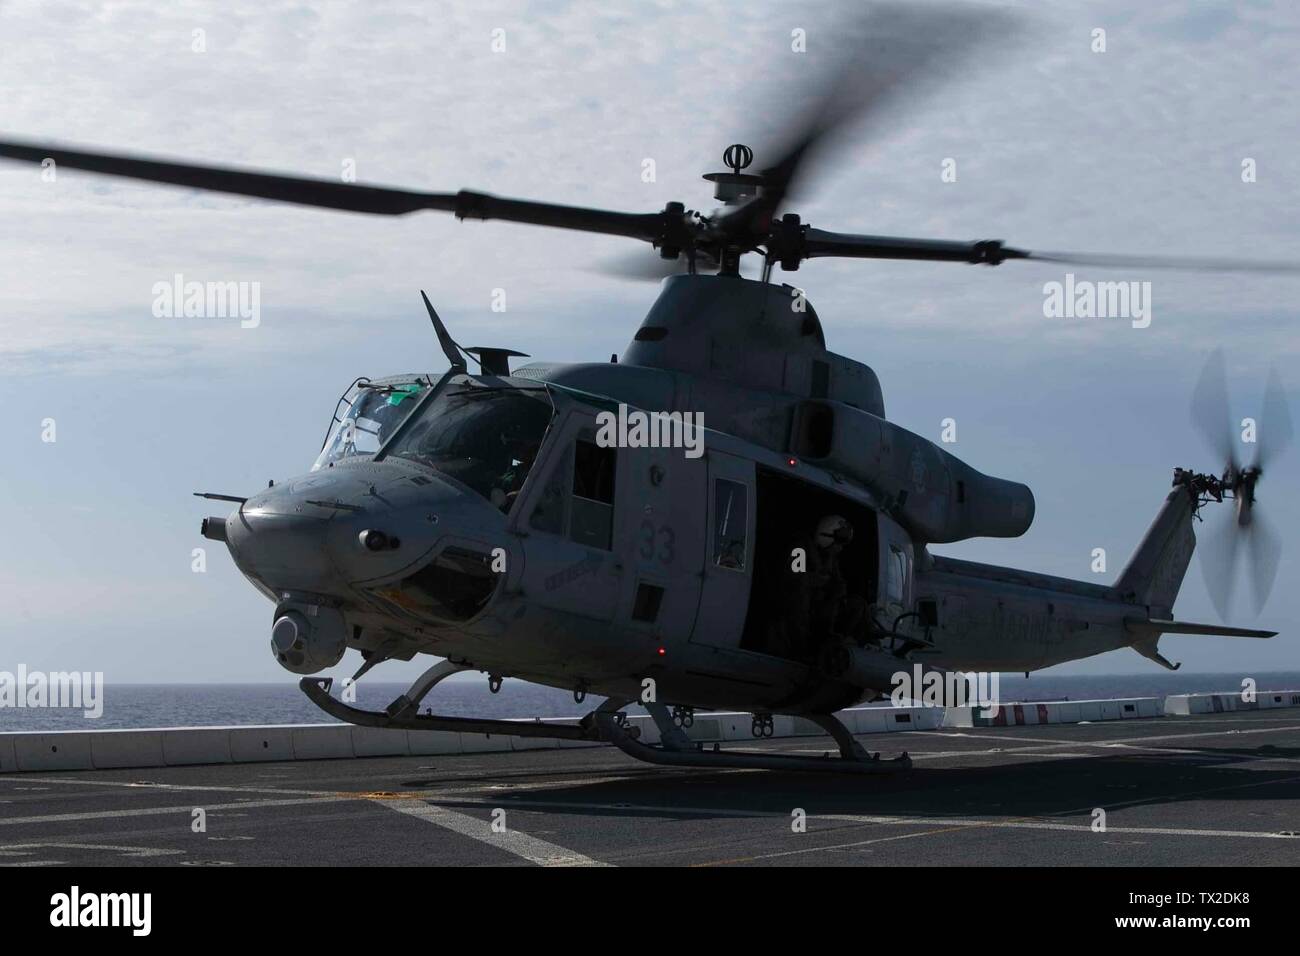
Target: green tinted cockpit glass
[[401, 393]]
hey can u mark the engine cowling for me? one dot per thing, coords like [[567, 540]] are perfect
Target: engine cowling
[[936, 496]]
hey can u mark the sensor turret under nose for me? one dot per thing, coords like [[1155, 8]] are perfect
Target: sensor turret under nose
[[306, 638]]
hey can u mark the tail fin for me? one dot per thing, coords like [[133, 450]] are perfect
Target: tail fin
[[1155, 572]]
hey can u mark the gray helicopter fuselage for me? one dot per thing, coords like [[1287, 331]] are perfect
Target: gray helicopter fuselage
[[616, 564]]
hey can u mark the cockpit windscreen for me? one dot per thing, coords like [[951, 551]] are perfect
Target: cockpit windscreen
[[486, 437], [366, 416]]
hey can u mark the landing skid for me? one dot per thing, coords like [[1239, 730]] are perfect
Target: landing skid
[[402, 714], [605, 723], [678, 750]]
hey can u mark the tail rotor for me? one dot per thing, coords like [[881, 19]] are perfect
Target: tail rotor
[[1224, 541]]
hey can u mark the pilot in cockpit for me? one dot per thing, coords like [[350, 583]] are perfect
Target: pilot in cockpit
[[522, 449]]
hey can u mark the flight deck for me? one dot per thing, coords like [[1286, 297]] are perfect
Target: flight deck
[[1216, 789]]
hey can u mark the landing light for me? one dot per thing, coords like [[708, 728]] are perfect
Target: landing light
[[377, 541]]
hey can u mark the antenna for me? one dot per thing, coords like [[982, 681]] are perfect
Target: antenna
[[735, 187], [449, 346], [494, 361]]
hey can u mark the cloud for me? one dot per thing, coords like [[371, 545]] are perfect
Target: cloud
[[1137, 149]]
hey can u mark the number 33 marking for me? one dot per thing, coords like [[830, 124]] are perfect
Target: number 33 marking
[[665, 538]]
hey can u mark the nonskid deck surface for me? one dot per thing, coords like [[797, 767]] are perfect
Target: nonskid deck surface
[[1216, 790]]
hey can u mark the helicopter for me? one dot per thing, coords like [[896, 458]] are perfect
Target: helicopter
[[720, 517]]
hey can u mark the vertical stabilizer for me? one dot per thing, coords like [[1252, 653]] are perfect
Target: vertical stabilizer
[[1155, 572]]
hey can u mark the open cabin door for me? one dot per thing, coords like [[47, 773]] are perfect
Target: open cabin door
[[728, 551]]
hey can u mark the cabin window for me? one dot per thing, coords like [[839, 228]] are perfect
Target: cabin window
[[592, 520], [730, 516], [895, 576]]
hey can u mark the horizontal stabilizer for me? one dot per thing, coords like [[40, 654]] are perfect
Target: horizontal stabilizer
[[1186, 627]]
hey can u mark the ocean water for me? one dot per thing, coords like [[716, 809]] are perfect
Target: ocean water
[[186, 705]]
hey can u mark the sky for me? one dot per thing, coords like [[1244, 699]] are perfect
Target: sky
[[1056, 145]]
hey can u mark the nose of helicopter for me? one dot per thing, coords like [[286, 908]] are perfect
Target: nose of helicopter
[[279, 539], [336, 528]]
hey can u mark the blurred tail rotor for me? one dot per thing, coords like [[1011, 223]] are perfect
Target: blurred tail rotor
[[1222, 543]]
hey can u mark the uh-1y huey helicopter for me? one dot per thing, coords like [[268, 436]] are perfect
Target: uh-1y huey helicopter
[[480, 517]]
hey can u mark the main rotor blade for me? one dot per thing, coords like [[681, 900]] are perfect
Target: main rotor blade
[[1210, 410], [323, 193], [636, 266], [895, 48], [821, 243], [294, 189], [1183, 263]]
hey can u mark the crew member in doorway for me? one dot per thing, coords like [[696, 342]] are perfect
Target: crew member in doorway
[[823, 609]]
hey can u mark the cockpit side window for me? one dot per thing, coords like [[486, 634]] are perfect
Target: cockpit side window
[[551, 511], [593, 494]]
